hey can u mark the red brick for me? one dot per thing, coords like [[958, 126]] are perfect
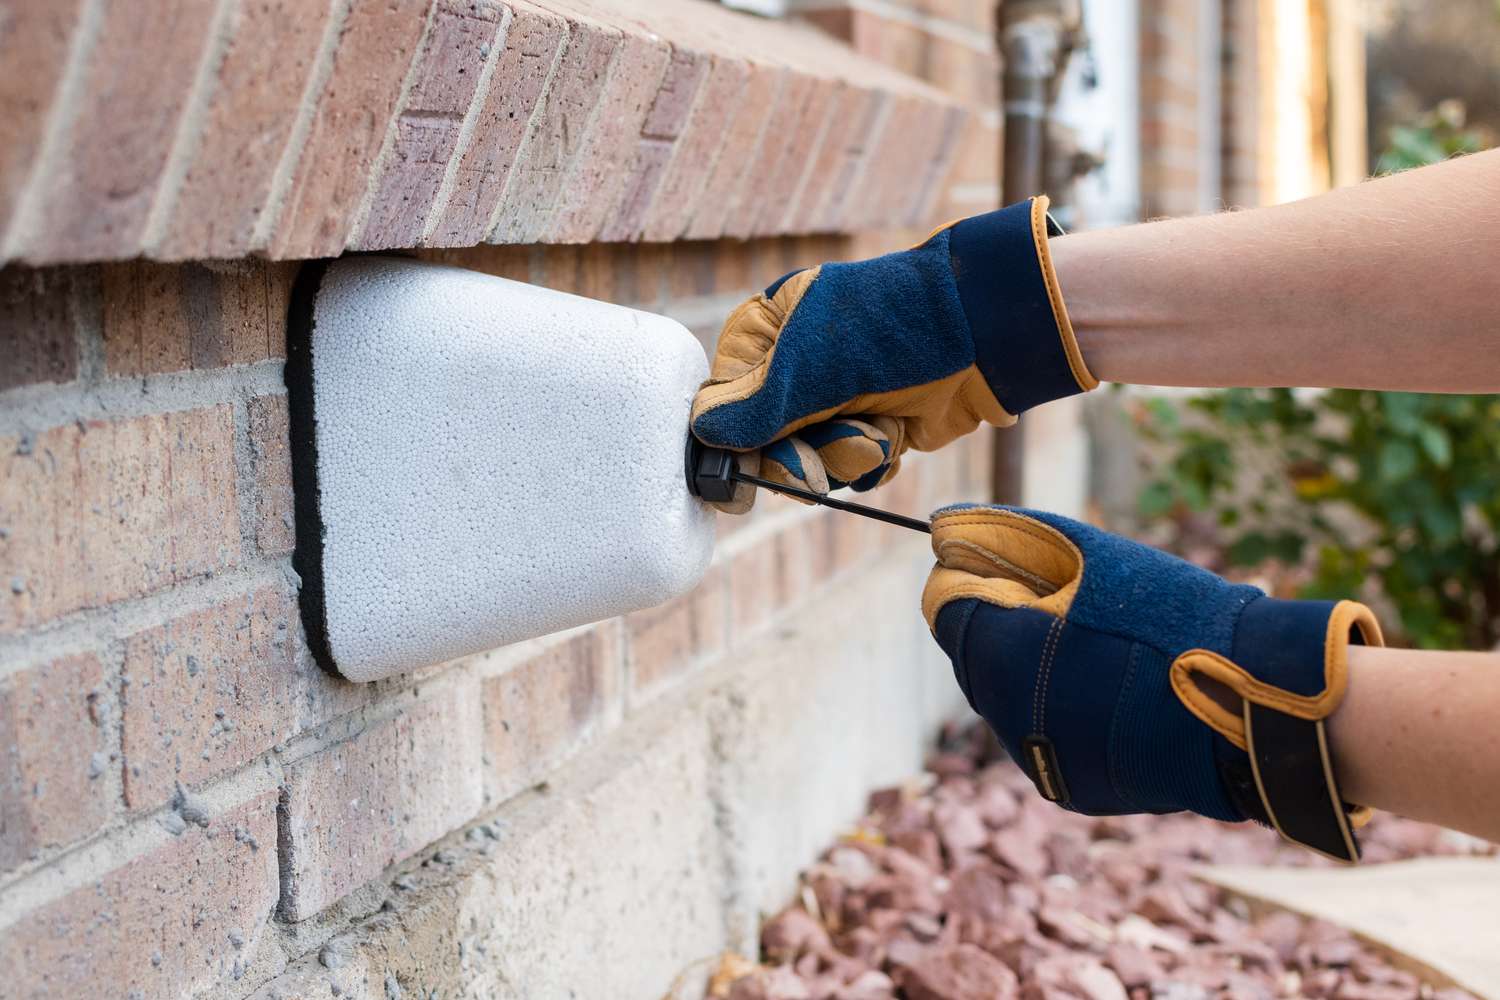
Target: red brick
[[559, 268], [978, 158], [976, 14], [902, 166], [280, 276], [765, 578], [934, 173], [34, 52], [787, 253], [597, 176], [642, 180], [903, 493], [634, 278], [848, 111], [55, 756], [664, 123], [846, 173], [504, 261], [354, 110], [375, 799], [819, 547], [970, 76], [789, 172], [604, 273], [542, 711], [175, 317], [206, 692], [679, 90], [38, 325], [954, 477], [556, 133], [734, 269], [247, 122], [853, 540], [99, 511], [868, 173], [698, 147], [271, 463], [754, 191], [447, 71], [903, 46], [651, 263], [178, 921], [533, 44], [762, 95], [136, 81], [691, 272], [666, 641], [596, 271], [836, 21], [881, 174]]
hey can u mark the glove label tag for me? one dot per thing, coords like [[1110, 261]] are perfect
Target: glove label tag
[[1041, 761]]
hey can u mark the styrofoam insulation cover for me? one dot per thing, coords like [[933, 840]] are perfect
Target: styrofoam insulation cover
[[495, 461]]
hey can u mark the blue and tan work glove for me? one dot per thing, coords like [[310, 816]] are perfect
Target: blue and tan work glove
[[835, 370], [1125, 680]]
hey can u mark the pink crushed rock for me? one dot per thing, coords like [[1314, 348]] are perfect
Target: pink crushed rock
[[967, 885]]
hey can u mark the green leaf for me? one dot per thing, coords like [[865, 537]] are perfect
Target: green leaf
[[1162, 412], [1403, 410], [1416, 146], [1251, 549], [1156, 499], [1287, 546], [1398, 460], [1441, 523], [1194, 494], [1437, 444]]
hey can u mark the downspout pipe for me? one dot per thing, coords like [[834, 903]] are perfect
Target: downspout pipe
[[1035, 38]]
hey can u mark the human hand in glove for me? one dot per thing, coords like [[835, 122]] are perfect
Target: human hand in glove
[[835, 370], [1125, 680]]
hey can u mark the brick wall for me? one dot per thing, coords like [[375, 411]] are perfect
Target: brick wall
[[1182, 170], [950, 44], [1240, 104], [173, 759], [1170, 148], [188, 806]]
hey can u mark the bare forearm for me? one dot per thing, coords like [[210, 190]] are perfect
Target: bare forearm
[[1418, 734], [1392, 284]]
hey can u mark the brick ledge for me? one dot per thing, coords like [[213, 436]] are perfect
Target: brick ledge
[[177, 130]]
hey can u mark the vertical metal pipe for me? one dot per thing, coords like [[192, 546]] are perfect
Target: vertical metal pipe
[[1032, 39]]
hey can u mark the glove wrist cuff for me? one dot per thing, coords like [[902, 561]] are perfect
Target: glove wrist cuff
[[1289, 669], [1024, 343]]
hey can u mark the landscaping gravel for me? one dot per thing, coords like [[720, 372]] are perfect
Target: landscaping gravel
[[967, 885]]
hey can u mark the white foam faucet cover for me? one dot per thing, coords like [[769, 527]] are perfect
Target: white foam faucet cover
[[479, 461]]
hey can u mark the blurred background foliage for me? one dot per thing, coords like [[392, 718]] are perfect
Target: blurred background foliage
[[1422, 54], [1391, 497]]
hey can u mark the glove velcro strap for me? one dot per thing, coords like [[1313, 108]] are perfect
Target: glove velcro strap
[[1294, 777], [1289, 671]]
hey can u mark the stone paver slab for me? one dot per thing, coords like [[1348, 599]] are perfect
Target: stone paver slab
[[1440, 914]]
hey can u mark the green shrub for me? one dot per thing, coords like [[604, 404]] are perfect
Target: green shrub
[[1432, 138], [1390, 495], [1393, 495]]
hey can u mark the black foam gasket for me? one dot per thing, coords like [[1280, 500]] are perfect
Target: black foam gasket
[[307, 557]]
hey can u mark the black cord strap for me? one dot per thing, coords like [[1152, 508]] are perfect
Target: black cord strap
[[1293, 772]]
